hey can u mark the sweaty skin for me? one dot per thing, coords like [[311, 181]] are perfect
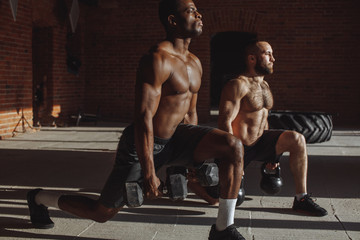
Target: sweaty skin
[[246, 100], [167, 84], [168, 81], [244, 108], [170, 88], [255, 99]]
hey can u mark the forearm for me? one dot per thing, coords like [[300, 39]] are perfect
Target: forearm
[[144, 142]]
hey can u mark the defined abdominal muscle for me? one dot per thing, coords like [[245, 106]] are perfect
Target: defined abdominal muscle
[[249, 127], [165, 125]]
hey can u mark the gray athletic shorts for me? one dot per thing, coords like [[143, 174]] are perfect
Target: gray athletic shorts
[[178, 150], [264, 149]]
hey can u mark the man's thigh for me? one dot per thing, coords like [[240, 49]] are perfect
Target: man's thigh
[[264, 150], [126, 169], [182, 148], [214, 144]]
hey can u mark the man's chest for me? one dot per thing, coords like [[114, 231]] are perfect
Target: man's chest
[[259, 97], [185, 77]]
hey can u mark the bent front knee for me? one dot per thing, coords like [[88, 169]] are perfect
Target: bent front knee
[[299, 139], [236, 149], [296, 139]]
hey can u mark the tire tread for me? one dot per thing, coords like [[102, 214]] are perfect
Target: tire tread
[[315, 126]]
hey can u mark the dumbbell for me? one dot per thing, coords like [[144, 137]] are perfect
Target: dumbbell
[[176, 182], [133, 194], [208, 174], [176, 187], [271, 181]]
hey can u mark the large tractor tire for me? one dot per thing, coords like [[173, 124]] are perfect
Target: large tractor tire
[[315, 126]]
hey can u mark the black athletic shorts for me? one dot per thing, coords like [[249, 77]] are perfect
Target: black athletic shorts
[[178, 150], [264, 149]]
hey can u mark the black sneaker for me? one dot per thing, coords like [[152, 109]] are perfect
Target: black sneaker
[[230, 233], [39, 215], [306, 204]]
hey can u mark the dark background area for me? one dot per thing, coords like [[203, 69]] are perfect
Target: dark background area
[[314, 42]]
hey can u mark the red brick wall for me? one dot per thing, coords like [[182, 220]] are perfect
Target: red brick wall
[[66, 94], [316, 55], [315, 46], [118, 37], [15, 66]]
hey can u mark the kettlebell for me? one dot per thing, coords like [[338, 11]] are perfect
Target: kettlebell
[[270, 183], [241, 195]]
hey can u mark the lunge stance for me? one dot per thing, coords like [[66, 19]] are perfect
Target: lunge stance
[[164, 132], [244, 106]]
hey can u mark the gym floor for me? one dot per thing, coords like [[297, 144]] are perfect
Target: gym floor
[[78, 160]]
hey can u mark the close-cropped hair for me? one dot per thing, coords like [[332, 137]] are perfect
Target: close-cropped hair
[[166, 8], [252, 48]]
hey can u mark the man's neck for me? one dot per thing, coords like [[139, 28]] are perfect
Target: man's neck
[[254, 76], [180, 45]]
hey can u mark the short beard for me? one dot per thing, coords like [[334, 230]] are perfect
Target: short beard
[[190, 34], [261, 70], [197, 32]]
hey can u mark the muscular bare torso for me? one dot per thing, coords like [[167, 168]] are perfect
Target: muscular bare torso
[[251, 120], [177, 91]]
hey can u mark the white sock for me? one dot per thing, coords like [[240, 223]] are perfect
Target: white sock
[[226, 213], [48, 199], [300, 196]]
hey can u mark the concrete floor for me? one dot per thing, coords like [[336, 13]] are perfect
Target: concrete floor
[[78, 160]]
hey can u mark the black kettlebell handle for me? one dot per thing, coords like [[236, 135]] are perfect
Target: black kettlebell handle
[[264, 173]]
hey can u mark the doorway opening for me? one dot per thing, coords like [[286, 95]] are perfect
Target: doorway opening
[[42, 59], [227, 61]]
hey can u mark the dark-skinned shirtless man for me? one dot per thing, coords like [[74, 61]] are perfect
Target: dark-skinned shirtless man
[[243, 112], [164, 131]]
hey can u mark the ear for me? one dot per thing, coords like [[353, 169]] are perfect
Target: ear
[[251, 59], [172, 20]]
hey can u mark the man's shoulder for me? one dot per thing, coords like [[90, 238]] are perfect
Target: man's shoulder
[[239, 81], [237, 86], [164, 53], [164, 49], [158, 51], [266, 84], [194, 57], [156, 55]]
